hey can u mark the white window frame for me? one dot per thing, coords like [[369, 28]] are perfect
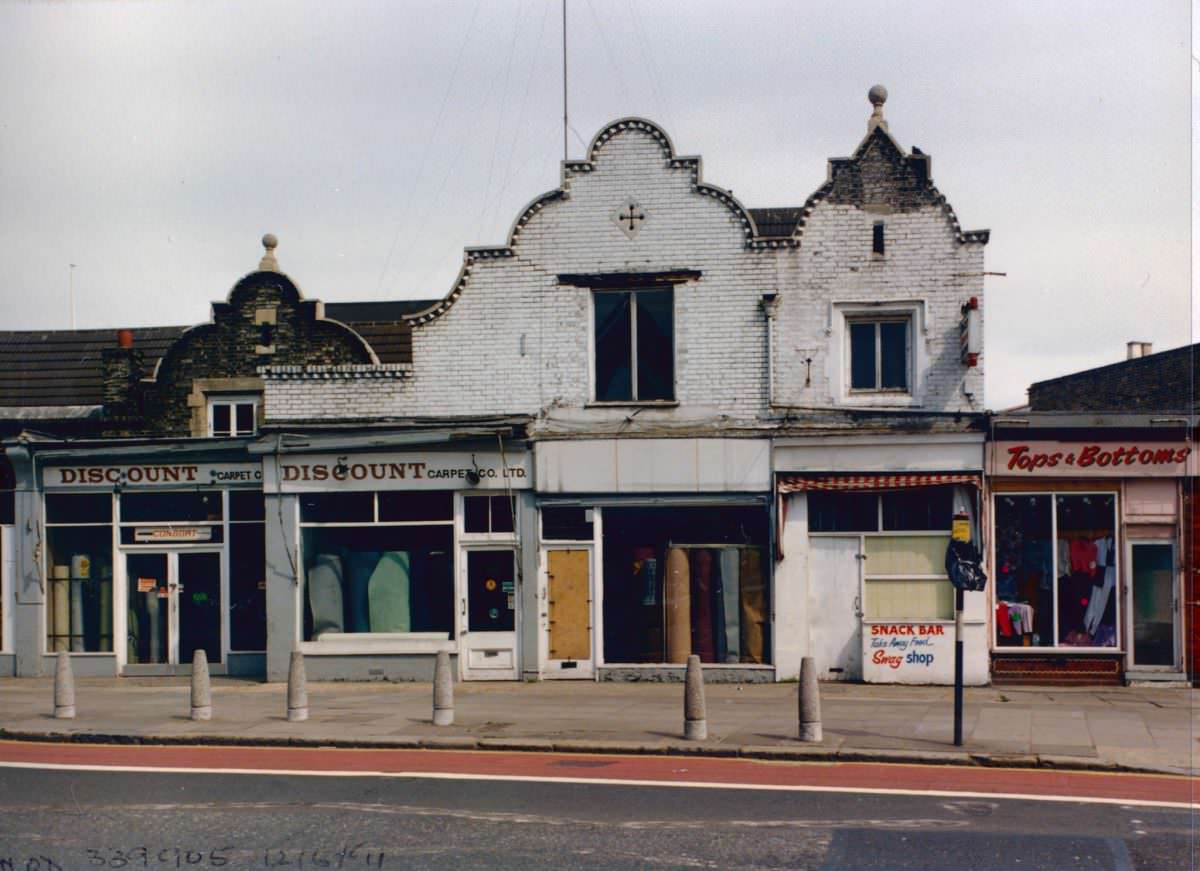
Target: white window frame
[[842, 315], [233, 400], [633, 373]]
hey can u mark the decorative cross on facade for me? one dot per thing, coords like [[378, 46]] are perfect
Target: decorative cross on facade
[[629, 218], [632, 216]]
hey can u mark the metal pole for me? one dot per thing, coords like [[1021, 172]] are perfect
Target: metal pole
[[564, 23], [958, 667], [71, 287]]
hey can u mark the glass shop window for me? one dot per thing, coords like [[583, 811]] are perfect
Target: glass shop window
[[679, 581], [182, 506], [247, 571], [486, 514], [79, 575], [1056, 570], [390, 577], [567, 523]]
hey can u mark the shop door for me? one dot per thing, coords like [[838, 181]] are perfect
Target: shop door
[[489, 611], [568, 596], [174, 609], [835, 607], [1155, 607]]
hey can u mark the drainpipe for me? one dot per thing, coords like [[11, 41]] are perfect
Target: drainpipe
[[768, 302]]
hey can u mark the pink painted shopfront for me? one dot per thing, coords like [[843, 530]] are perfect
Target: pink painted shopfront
[[1086, 553]]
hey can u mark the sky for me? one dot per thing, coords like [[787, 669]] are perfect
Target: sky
[[152, 144]]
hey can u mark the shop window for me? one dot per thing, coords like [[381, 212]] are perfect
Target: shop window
[[79, 508], [79, 576], [175, 506], [1056, 570], [487, 514], [917, 509], [247, 585], [634, 345], [679, 581], [393, 576], [337, 507], [905, 578], [233, 416], [880, 354], [416, 505], [830, 511], [246, 505], [567, 523], [8, 507]]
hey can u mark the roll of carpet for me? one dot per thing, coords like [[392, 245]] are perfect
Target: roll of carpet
[[678, 606], [753, 605], [702, 611], [60, 608], [81, 570]]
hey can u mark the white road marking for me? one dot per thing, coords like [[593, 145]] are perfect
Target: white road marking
[[607, 781]]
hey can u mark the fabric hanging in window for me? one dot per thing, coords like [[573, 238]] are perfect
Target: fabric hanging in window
[[800, 483]]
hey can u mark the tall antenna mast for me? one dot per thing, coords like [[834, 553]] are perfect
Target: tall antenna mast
[[564, 23], [71, 291]]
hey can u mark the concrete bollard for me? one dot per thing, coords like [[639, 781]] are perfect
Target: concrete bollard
[[443, 691], [810, 701], [64, 688], [297, 699], [695, 722], [201, 687]]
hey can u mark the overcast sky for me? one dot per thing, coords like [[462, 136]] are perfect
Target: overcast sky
[[152, 144]]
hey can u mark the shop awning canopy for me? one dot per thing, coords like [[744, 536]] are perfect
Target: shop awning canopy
[[803, 483]]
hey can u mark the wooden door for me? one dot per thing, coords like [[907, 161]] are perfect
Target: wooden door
[[569, 611]]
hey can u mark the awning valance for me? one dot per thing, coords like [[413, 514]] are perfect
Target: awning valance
[[867, 483]]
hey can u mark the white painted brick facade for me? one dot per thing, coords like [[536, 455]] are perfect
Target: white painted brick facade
[[515, 341]]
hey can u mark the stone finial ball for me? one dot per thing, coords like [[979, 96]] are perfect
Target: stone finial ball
[[877, 95], [269, 241]]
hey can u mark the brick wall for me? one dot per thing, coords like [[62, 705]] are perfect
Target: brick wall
[[510, 338], [228, 348]]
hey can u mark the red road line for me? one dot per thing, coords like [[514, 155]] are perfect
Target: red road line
[[667, 769]]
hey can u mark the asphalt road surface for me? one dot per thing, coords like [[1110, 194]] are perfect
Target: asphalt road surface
[[585, 818]]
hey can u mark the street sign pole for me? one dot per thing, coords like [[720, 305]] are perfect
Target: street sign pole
[[958, 667]]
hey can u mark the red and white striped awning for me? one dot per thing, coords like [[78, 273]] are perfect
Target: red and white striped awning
[[802, 483]]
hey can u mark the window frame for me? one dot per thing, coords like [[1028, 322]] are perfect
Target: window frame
[[842, 315], [877, 385], [594, 346], [1121, 542], [233, 400]]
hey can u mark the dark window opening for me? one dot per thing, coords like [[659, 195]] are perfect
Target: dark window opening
[[487, 514], [635, 345], [879, 355], [877, 238]]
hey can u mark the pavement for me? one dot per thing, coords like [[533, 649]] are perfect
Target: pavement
[[1101, 728]]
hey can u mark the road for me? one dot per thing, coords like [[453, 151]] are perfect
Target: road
[[89, 806]]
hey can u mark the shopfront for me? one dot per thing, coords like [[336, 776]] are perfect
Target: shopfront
[[398, 556], [133, 566], [1087, 556], [651, 550], [862, 576]]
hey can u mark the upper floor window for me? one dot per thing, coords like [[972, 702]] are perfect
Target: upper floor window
[[880, 353], [232, 416], [634, 345]]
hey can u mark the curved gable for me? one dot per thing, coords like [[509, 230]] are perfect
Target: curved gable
[[571, 170]]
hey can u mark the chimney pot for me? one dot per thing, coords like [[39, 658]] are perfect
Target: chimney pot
[[125, 339], [1133, 350]]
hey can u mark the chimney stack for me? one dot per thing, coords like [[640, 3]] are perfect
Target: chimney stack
[[1133, 350], [122, 369]]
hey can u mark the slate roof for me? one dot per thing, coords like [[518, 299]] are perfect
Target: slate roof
[[59, 368], [62, 367], [777, 222], [1166, 381]]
